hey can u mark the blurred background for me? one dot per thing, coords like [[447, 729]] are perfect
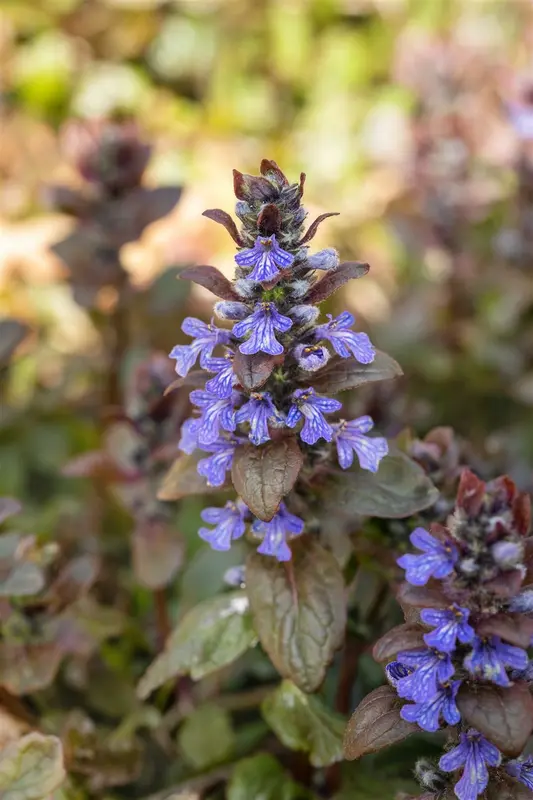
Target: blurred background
[[412, 118]]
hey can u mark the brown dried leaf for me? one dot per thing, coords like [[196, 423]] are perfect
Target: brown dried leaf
[[183, 479]]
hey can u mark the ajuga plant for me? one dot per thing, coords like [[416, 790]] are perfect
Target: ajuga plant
[[267, 426], [460, 661]]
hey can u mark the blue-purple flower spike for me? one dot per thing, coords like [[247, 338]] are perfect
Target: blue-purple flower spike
[[473, 753], [271, 346]]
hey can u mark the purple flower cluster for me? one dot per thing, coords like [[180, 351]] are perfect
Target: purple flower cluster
[[271, 324], [470, 586]]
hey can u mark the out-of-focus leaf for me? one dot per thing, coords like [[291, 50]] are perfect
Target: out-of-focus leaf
[[503, 714], [375, 724], [74, 580], [340, 374], [19, 573], [210, 278], [302, 722], [12, 333], [333, 280], [157, 553], [26, 668], [299, 610], [31, 768], [206, 737], [262, 476], [166, 294], [211, 635], [398, 489], [8, 508], [94, 464], [262, 777], [183, 479]]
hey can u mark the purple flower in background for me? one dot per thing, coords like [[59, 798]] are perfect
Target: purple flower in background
[[522, 770], [225, 379], [261, 325], [489, 657], [473, 752], [258, 411], [346, 342], [217, 413], [311, 357], [214, 467], [266, 257], [188, 442], [311, 407], [206, 338], [450, 625], [395, 672], [437, 559], [521, 118], [431, 668], [350, 439], [427, 714], [229, 524], [283, 525]]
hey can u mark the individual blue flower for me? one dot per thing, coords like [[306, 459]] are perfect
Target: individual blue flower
[[283, 525], [437, 560], [489, 658], [346, 342], [427, 714], [258, 411], [395, 671], [188, 442], [229, 524], [261, 325], [311, 357], [266, 257], [231, 309], [311, 407], [431, 669], [473, 752], [225, 379], [522, 770], [214, 467], [450, 624], [350, 439], [206, 338], [303, 314], [217, 413]]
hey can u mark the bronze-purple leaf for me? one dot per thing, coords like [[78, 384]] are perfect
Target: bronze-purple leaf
[[253, 371], [422, 596], [195, 378], [376, 723], [311, 231], [513, 628], [349, 270], [252, 187], [504, 715], [402, 637], [262, 476], [507, 584], [298, 610], [270, 168], [210, 278], [341, 374], [503, 787], [269, 220], [223, 218]]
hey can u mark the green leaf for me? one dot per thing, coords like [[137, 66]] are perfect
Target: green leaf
[[26, 668], [262, 476], [206, 737], [19, 575], [183, 480], [375, 724], [263, 778], [398, 489], [503, 714], [211, 635], [299, 610], [31, 768], [341, 374], [302, 722]]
